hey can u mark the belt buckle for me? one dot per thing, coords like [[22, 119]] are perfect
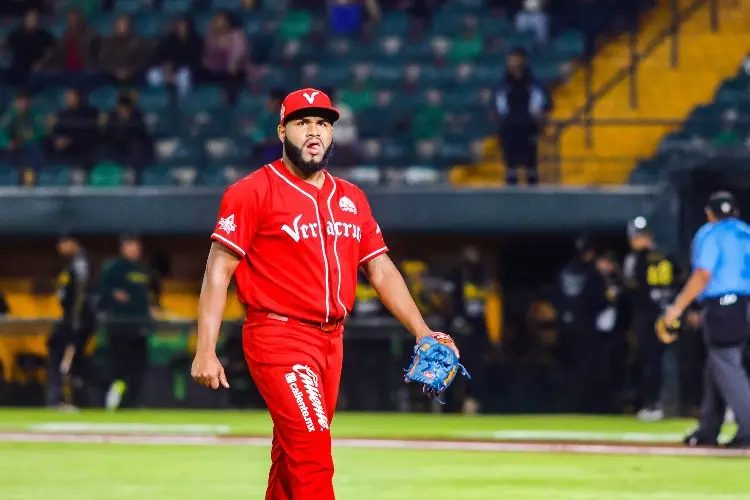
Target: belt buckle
[[328, 327]]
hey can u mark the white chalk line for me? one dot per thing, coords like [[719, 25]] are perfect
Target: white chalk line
[[540, 447], [624, 437], [128, 428]]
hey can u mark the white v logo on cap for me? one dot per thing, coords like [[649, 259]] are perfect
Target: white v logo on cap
[[311, 98]]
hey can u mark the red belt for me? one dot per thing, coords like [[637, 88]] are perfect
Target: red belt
[[331, 326]]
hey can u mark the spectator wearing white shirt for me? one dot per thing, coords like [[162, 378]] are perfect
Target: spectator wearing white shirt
[[533, 18]]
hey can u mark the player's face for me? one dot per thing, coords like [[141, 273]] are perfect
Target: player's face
[[65, 247], [308, 142], [131, 249]]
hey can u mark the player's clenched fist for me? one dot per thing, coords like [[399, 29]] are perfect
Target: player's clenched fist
[[208, 372]]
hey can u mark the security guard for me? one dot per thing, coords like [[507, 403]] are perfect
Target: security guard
[[582, 298], [126, 308], [469, 286], [654, 278], [71, 333], [721, 283]]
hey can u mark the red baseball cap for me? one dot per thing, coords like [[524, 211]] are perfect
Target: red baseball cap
[[308, 100]]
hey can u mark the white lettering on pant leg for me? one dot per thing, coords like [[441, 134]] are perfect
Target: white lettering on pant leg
[[299, 397], [310, 382]]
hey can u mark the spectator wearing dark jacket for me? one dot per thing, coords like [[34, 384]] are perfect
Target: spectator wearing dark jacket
[[125, 54], [75, 131], [126, 139], [28, 45], [522, 105], [177, 57]]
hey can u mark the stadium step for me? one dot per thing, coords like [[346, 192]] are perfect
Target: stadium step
[[664, 93]]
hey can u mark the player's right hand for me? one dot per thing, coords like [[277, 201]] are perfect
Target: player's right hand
[[208, 372]]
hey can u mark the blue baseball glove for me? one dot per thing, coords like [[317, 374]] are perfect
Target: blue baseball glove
[[434, 365]]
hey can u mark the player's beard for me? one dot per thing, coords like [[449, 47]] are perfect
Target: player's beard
[[307, 167]]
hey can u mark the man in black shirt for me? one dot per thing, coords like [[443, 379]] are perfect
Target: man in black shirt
[[28, 44], [653, 278], [582, 298], [469, 287], [125, 304], [71, 333]]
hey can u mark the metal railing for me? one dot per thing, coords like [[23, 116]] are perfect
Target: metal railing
[[670, 33]]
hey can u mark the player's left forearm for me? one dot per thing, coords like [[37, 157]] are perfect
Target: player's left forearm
[[695, 285], [395, 295]]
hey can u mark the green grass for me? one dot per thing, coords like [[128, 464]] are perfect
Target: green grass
[[115, 472], [360, 424], [41, 471]]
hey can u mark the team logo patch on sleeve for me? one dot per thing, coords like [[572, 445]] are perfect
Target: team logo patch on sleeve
[[227, 224], [347, 205]]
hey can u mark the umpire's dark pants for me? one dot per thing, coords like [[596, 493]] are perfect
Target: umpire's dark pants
[[726, 327]]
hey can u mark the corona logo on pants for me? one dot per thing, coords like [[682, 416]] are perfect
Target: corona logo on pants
[[310, 382]]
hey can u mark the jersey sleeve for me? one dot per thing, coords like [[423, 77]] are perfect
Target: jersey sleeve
[[372, 243], [706, 252], [239, 216]]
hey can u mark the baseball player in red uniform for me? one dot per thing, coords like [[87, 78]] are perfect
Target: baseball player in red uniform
[[294, 237]]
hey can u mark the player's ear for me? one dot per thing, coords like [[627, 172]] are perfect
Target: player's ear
[[281, 131]]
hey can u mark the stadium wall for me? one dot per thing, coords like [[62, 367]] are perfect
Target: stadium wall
[[47, 212]]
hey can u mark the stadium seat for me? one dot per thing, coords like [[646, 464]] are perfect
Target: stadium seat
[[131, 6], [176, 150], [158, 176], [107, 174], [56, 176], [213, 177], [176, 7], [9, 176], [295, 25], [394, 23]]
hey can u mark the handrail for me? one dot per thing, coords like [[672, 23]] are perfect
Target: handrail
[[679, 17]]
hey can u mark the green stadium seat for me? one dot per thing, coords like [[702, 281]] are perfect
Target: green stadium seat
[[131, 6], [333, 75], [56, 176], [175, 150], [226, 5], [203, 99], [394, 23], [295, 25], [732, 92], [495, 26], [104, 98], [107, 174], [488, 75], [161, 123], [176, 7], [386, 75], [9, 176], [213, 177], [224, 149], [150, 24], [524, 40], [420, 175], [568, 45], [464, 50], [153, 99], [103, 22], [158, 176], [448, 24], [546, 71]]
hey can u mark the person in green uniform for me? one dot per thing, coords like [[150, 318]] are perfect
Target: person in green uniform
[[125, 306]]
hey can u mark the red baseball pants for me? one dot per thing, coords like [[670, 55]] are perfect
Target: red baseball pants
[[297, 370]]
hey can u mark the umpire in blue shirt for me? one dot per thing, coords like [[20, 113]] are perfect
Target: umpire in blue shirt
[[721, 283]]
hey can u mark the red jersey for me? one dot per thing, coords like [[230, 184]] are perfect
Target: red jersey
[[289, 266]]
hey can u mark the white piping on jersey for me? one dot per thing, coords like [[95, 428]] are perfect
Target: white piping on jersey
[[335, 240], [233, 245], [320, 232], [372, 254]]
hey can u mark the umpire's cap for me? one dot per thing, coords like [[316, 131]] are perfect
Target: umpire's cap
[[723, 204], [637, 226], [308, 100]]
